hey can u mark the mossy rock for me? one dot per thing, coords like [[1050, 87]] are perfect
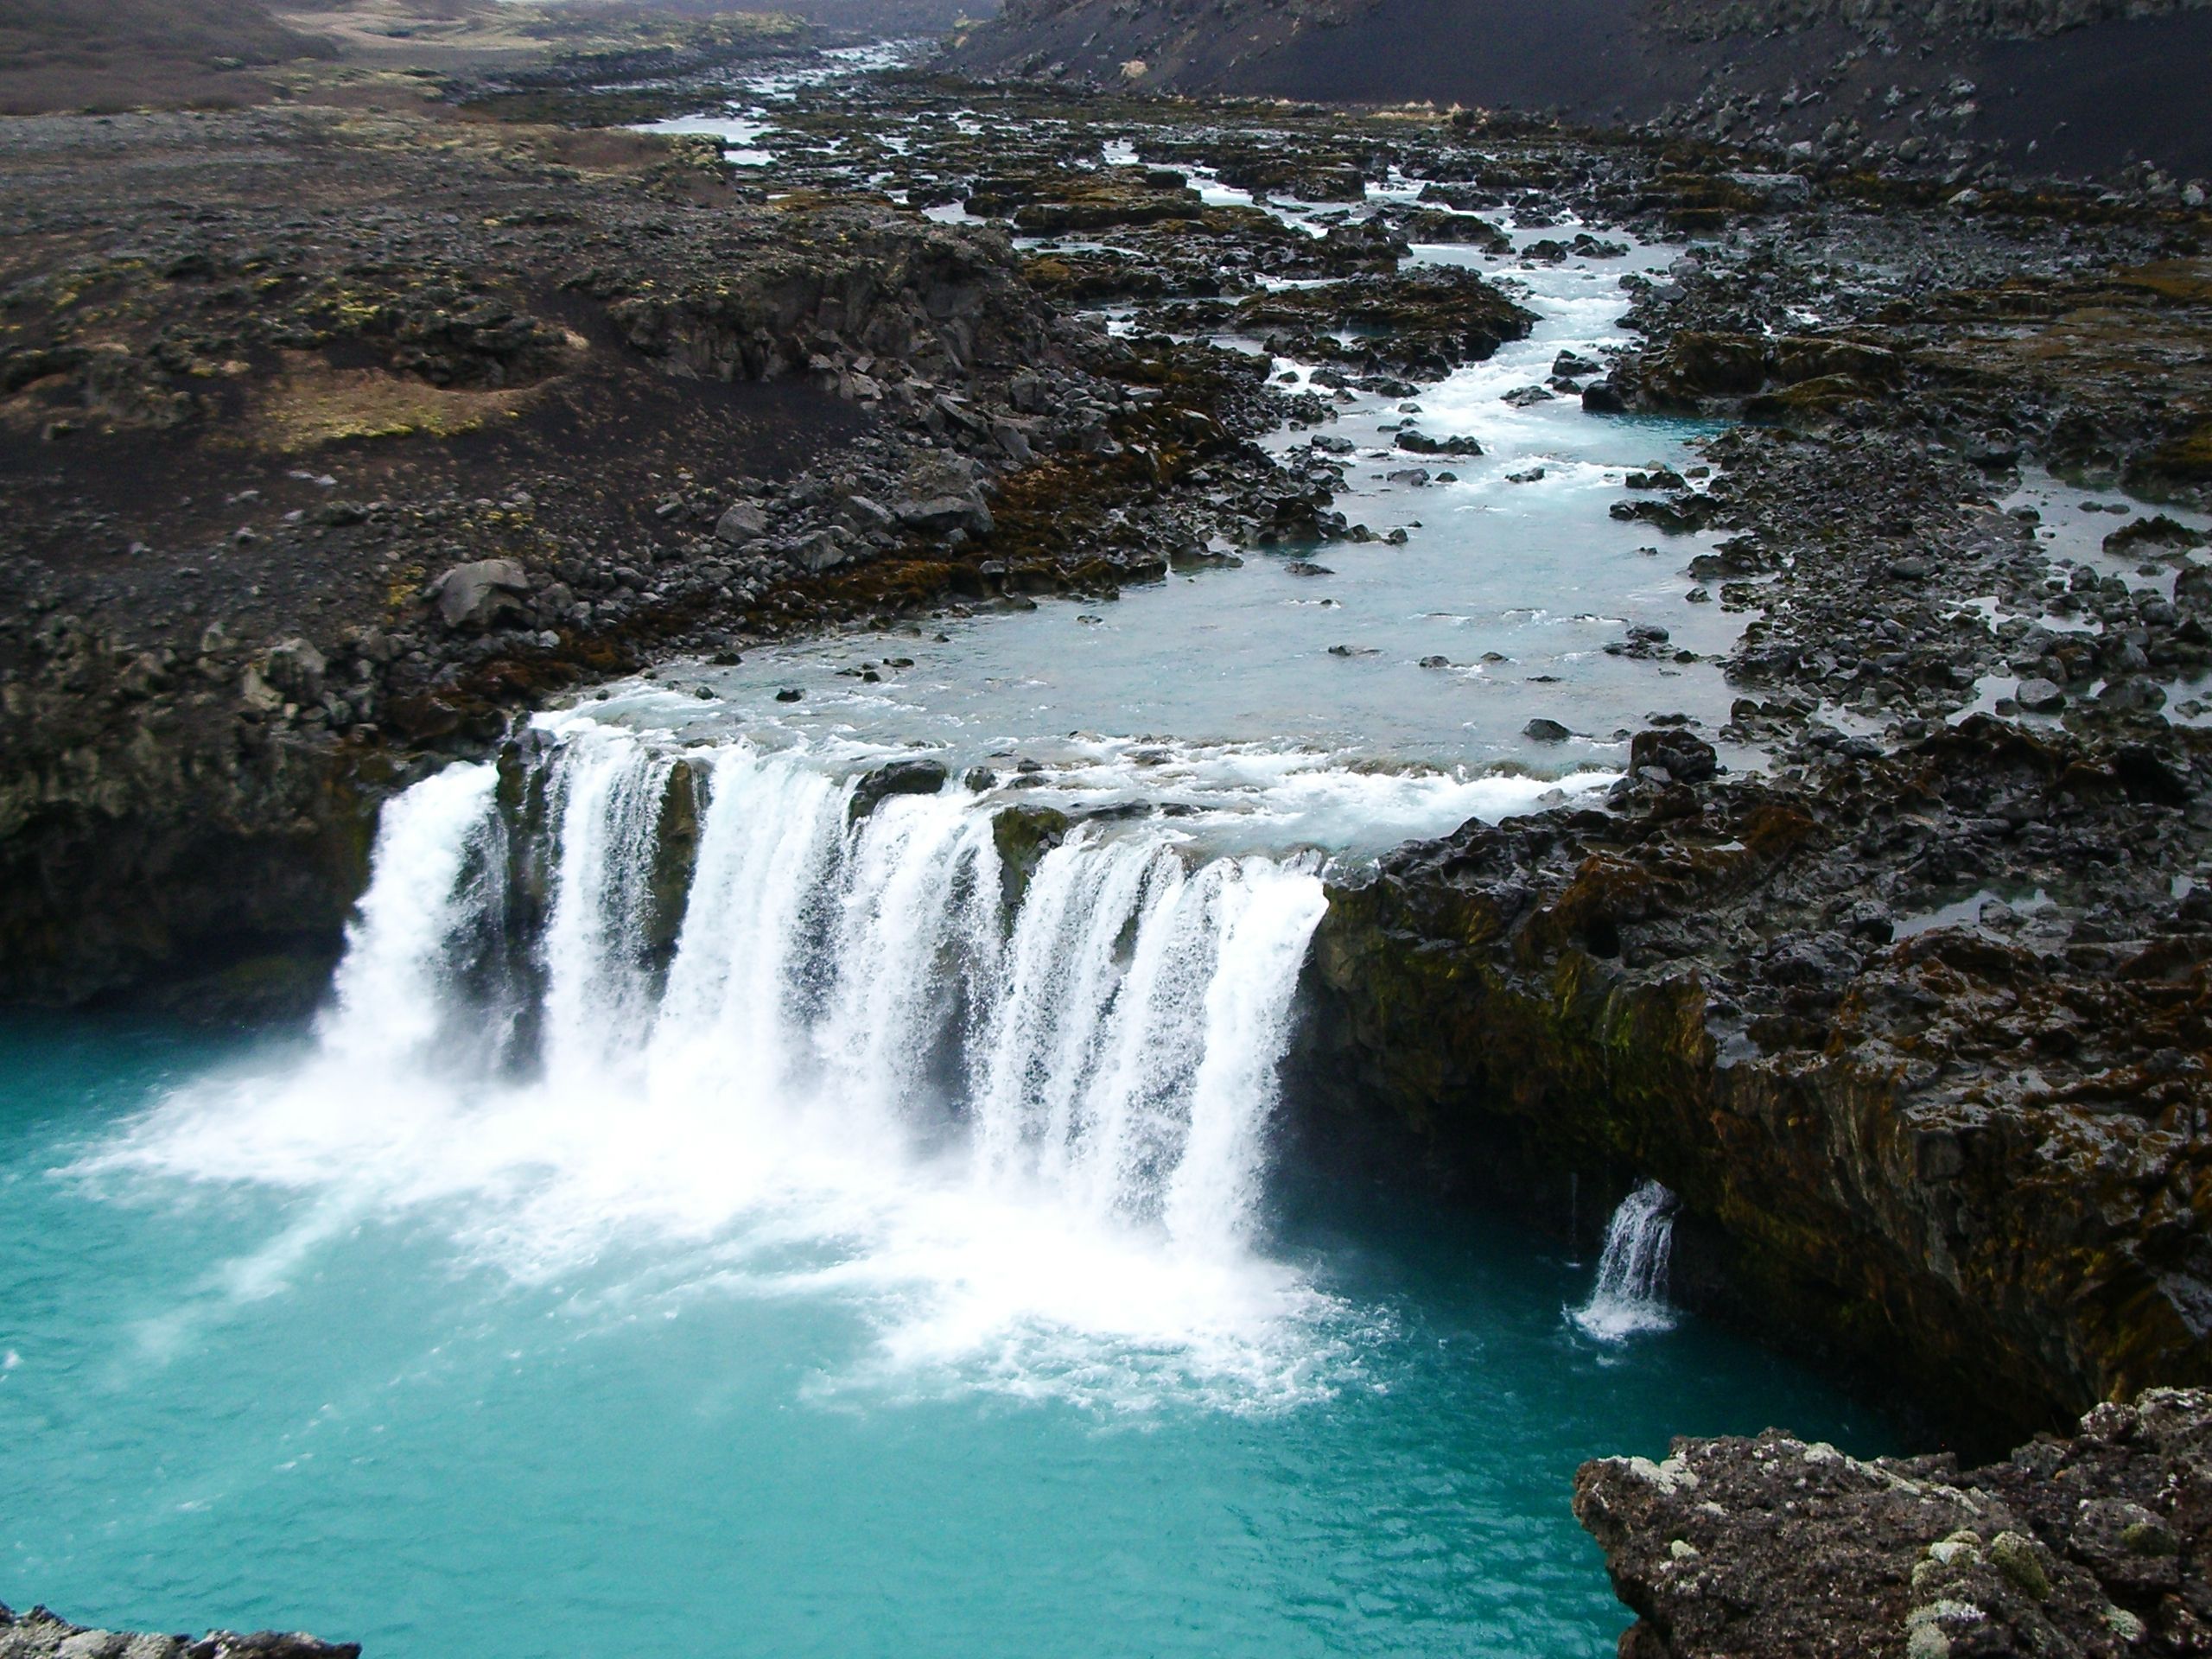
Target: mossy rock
[[1023, 835]]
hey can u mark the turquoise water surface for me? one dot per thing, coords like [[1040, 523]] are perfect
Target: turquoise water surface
[[489, 1418]]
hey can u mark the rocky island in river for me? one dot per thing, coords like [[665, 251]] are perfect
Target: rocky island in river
[[1627, 623]]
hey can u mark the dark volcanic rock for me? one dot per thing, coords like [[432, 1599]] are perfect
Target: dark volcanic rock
[[43, 1634], [2077, 85], [1963, 1162], [1749, 1548], [1426, 323], [897, 777]]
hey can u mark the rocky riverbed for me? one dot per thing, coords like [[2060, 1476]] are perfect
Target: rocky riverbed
[[334, 438]]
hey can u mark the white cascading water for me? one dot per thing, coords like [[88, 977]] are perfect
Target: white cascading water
[[1023, 1138], [388, 1002], [1630, 1295]]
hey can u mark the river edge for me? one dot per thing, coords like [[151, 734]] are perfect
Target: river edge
[[1853, 1110]]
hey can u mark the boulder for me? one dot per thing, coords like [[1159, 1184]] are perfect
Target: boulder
[[1419, 444], [296, 668], [478, 594], [1688, 759], [819, 552], [899, 778], [743, 522], [940, 515], [1774, 190], [865, 514]]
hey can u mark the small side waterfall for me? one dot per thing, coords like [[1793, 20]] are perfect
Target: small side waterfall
[[1630, 1295]]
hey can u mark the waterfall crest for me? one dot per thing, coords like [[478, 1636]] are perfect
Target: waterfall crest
[[1630, 1295]]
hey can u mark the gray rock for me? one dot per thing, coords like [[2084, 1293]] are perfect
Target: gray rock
[[1688, 759], [742, 523], [296, 668], [476, 595], [2039, 696], [866, 514], [940, 515], [1774, 189], [819, 552], [1546, 731]]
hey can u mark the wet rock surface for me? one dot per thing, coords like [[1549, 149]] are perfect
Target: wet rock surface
[[2092, 1543]]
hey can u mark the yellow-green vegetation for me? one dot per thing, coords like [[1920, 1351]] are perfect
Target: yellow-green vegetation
[[312, 404]]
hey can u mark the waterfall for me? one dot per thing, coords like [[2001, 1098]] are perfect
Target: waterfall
[[1101, 1038], [387, 1004], [1630, 1295]]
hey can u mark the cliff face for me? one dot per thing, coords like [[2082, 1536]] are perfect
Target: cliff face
[[1962, 1158], [226, 853]]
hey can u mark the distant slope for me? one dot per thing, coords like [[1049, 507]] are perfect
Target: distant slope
[[111, 55], [2090, 84]]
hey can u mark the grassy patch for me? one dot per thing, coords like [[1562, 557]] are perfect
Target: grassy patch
[[312, 404]]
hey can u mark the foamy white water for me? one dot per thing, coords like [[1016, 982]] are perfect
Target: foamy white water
[[1019, 1118]]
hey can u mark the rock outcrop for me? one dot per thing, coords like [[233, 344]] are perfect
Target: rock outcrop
[[41, 1634], [1963, 1157], [1754, 1548]]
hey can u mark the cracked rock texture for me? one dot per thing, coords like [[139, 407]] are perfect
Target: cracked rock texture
[[2091, 1545]]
